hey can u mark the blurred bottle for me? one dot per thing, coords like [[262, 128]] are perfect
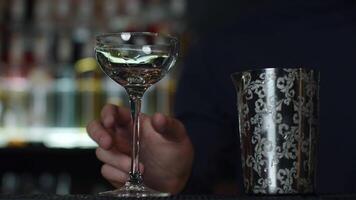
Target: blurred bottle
[[46, 183], [4, 43], [84, 12], [3, 7], [111, 16], [155, 12], [149, 101], [114, 93], [9, 183], [42, 15], [16, 59], [27, 184], [133, 7], [110, 8], [177, 8], [177, 19], [63, 184], [15, 85], [90, 99], [2, 101], [165, 94], [41, 83], [65, 86], [63, 13], [2, 11], [2, 65], [18, 11]]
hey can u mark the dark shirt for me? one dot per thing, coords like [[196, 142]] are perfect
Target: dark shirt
[[318, 34]]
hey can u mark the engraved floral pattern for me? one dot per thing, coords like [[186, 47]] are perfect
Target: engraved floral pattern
[[278, 114]]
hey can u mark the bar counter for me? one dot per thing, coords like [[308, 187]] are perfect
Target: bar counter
[[180, 197]]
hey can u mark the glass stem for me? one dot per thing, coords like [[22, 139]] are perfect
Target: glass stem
[[135, 174]]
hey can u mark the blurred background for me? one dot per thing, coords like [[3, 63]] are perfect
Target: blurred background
[[51, 86]]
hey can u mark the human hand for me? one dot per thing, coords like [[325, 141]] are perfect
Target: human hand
[[166, 153]]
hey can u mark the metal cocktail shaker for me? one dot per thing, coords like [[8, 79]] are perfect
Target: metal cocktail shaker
[[278, 123]]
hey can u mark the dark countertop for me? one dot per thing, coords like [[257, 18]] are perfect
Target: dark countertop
[[180, 197]]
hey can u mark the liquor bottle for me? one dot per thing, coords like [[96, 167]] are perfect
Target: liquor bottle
[[65, 87], [84, 12], [63, 13], [90, 99], [114, 94], [178, 8], [2, 101], [42, 15], [18, 11], [149, 102], [41, 83], [133, 7], [2, 70], [10, 183], [164, 95], [16, 87], [2, 11], [110, 13]]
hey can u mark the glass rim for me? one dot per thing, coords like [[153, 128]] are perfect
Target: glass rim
[[274, 68], [100, 36]]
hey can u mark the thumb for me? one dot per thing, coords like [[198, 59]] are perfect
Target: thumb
[[170, 128]]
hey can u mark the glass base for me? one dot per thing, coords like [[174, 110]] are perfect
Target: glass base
[[134, 190]]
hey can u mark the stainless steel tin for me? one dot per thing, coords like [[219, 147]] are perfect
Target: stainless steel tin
[[278, 124]]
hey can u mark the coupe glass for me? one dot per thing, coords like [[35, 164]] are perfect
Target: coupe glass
[[136, 60]]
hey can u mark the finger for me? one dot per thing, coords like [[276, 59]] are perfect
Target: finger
[[116, 159], [112, 115], [122, 140], [97, 132], [114, 175], [169, 127]]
